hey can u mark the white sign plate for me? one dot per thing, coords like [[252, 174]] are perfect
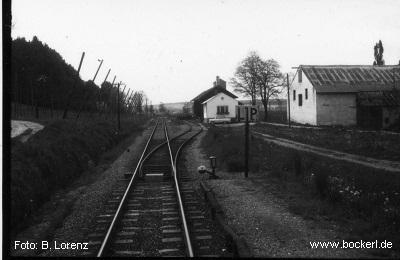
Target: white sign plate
[[252, 112]]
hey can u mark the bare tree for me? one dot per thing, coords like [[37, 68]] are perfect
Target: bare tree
[[258, 77], [245, 77], [378, 54], [269, 81]]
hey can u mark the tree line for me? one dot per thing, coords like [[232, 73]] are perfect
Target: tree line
[[41, 78]]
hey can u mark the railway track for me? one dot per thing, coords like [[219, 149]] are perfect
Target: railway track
[[158, 213]]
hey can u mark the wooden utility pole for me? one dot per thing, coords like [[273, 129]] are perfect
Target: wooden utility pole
[[118, 114], [104, 103], [123, 91], [110, 99], [73, 87], [95, 75], [246, 144], [125, 99], [288, 98], [106, 76], [88, 95]]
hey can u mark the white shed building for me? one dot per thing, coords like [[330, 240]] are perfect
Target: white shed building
[[363, 95], [219, 106]]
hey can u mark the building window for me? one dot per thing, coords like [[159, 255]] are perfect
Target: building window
[[294, 95], [306, 94], [222, 110], [300, 100], [300, 76]]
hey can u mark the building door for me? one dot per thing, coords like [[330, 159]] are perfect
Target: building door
[[369, 117]]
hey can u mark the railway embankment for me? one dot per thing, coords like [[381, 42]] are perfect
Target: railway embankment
[[56, 157], [292, 198]]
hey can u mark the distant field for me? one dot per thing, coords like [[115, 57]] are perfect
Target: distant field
[[374, 144]]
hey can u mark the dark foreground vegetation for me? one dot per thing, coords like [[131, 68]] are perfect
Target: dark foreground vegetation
[[366, 202], [57, 155]]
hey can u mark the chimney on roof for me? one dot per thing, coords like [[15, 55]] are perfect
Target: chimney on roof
[[219, 82]]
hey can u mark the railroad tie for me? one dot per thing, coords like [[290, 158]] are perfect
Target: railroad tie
[[123, 241], [171, 231], [127, 253], [171, 239]]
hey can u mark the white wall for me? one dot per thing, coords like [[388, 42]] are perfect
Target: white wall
[[221, 99], [307, 113]]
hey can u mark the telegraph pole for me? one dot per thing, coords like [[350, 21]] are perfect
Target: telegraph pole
[[118, 114], [88, 94], [106, 76], [123, 93], [73, 87], [110, 97], [288, 98], [95, 75], [125, 99]]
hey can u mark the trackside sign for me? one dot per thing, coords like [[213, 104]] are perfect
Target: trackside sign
[[252, 112]]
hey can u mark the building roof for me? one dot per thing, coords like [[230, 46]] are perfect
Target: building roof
[[203, 96], [351, 78], [211, 98]]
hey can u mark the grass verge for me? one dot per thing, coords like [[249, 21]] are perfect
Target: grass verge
[[365, 201], [374, 144]]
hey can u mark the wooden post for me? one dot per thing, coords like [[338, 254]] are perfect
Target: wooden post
[[73, 87], [125, 99], [104, 103], [246, 144], [95, 75], [288, 98], [107, 75], [111, 102], [118, 112]]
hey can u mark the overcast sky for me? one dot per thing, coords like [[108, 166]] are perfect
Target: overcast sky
[[173, 49]]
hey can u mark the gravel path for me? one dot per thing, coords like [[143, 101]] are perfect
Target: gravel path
[[263, 219]]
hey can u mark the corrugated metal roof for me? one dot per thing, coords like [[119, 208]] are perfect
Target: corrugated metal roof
[[351, 78]]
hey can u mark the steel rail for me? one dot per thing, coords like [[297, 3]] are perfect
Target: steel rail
[[178, 194], [121, 204], [183, 144], [158, 147]]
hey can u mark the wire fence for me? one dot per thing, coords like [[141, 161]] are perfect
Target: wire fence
[[44, 114]]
